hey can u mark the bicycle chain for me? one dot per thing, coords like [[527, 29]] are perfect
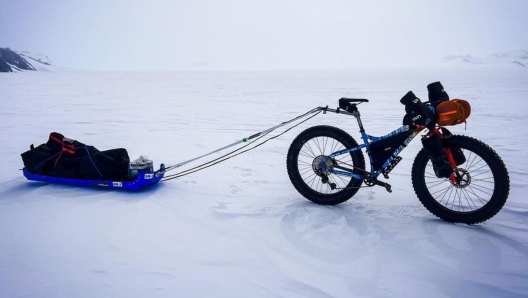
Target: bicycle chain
[[370, 178]]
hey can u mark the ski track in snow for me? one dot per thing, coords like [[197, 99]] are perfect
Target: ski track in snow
[[240, 229]]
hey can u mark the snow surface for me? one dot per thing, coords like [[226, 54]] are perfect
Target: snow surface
[[240, 229]]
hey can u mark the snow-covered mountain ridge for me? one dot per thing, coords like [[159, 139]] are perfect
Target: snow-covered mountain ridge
[[512, 58], [16, 61]]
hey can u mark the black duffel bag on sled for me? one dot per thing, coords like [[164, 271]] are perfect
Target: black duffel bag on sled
[[67, 158]]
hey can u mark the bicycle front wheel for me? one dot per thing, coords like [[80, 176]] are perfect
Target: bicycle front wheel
[[479, 193], [305, 157]]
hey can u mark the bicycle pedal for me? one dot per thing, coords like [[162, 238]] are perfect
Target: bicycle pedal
[[387, 186]]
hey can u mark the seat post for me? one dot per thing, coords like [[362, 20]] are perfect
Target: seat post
[[358, 117], [360, 124], [350, 105]]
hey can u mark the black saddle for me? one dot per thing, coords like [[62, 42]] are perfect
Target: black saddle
[[348, 104], [347, 100]]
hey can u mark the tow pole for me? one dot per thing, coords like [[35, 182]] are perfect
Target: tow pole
[[251, 139]]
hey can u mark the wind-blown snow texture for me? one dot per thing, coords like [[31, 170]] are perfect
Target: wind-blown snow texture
[[240, 229]]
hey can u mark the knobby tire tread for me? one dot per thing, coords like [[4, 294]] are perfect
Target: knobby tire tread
[[497, 166], [296, 178]]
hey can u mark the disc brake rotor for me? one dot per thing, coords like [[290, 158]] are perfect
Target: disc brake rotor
[[463, 178]]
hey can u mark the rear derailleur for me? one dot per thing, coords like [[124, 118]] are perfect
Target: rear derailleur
[[323, 162], [324, 180]]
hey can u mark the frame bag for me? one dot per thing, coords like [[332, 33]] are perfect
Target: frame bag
[[381, 150]]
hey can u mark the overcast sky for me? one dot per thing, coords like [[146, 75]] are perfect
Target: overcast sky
[[171, 34]]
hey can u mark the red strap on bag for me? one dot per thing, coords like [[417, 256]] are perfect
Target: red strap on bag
[[66, 146]]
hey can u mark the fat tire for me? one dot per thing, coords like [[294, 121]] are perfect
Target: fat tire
[[500, 177], [293, 171]]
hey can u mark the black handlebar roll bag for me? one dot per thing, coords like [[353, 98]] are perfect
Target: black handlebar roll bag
[[417, 112], [437, 94]]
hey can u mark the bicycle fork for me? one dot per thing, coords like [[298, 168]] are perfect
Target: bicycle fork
[[455, 177]]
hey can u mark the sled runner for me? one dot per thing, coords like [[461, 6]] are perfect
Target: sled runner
[[143, 180]]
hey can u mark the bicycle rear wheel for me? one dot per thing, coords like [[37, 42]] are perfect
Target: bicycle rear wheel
[[303, 163], [481, 191]]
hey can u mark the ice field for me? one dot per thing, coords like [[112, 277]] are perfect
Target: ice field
[[239, 228]]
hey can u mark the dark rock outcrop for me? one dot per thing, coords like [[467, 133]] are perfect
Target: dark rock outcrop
[[4, 67], [10, 59]]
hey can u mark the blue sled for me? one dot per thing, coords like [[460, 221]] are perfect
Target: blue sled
[[144, 179]]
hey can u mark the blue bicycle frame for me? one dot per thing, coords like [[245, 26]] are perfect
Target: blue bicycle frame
[[367, 141]]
